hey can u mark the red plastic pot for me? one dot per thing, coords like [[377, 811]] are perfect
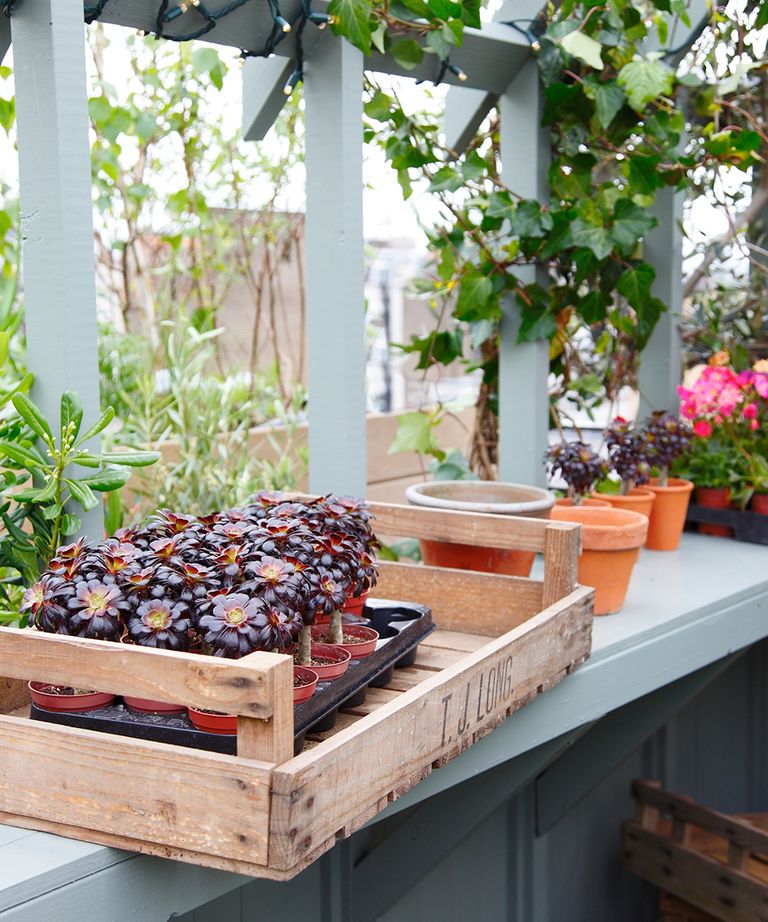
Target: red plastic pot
[[714, 498], [332, 670], [150, 706], [211, 722], [48, 701], [354, 606], [358, 650], [304, 692], [760, 503]]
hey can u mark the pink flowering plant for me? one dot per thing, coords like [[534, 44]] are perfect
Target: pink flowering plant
[[730, 409]]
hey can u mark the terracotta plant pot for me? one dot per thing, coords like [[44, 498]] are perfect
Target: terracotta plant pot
[[309, 679], [668, 514], [332, 670], [760, 503], [150, 706], [611, 541], [355, 606], [639, 499], [714, 498], [480, 496], [211, 722], [358, 649], [594, 501], [49, 701]]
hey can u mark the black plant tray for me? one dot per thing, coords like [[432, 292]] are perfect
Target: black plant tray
[[401, 626], [747, 526]]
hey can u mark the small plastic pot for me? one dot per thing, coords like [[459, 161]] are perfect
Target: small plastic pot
[[358, 650], [304, 692], [339, 661], [714, 498], [665, 525], [150, 706], [354, 606], [480, 496], [213, 722], [49, 701], [760, 503]]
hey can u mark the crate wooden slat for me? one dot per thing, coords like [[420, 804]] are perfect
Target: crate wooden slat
[[716, 862], [500, 642]]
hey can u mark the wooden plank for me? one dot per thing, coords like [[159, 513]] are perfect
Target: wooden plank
[[14, 694], [270, 740], [437, 657], [135, 789], [505, 531], [707, 883], [243, 686], [454, 640], [314, 797], [374, 698], [739, 832], [561, 560], [463, 600]]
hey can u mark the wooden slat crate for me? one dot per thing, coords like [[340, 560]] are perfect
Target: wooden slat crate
[[713, 861], [500, 642]]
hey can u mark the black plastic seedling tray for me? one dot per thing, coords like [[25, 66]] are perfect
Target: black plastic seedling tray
[[751, 527], [401, 626]]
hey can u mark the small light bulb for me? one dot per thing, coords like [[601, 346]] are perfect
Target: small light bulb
[[282, 22], [183, 6], [535, 46]]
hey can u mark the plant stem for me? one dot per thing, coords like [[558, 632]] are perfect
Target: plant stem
[[663, 476], [337, 631], [305, 646]]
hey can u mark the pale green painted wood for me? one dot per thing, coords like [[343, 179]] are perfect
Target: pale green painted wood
[[523, 368], [263, 95], [660, 369], [56, 217], [335, 270]]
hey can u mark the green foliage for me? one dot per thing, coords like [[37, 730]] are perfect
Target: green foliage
[[41, 488], [202, 424], [708, 463]]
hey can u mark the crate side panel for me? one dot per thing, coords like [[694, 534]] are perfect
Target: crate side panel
[[135, 789], [320, 791]]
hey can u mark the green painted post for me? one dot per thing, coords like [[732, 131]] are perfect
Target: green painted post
[[56, 216], [335, 268], [660, 366], [523, 368]]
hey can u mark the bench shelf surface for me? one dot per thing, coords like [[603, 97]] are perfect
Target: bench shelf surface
[[501, 641]]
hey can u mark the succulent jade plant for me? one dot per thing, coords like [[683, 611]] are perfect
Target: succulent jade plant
[[580, 467], [229, 583]]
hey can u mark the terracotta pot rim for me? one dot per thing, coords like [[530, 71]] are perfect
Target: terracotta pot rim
[[535, 500], [675, 485], [595, 501], [605, 529]]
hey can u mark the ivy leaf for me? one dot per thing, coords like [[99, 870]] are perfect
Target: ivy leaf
[[647, 317], [474, 166], [593, 236], [645, 79], [473, 295], [437, 348], [415, 432], [480, 331], [444, 9], [635, 284], [446, 179], [609, 98], [407, 52], [352, 19], [584, 48], [530, 221], [631, 223], [642, 174], [535, 323]]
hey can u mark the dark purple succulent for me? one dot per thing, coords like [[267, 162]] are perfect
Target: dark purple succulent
[[668, 438], [580, 467], [95, 610], [280, 629], [161, 624], [46, 604], [628, 453], [233, 628]]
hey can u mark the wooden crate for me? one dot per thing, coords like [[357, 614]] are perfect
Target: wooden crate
[[501, 641], [715, 863]]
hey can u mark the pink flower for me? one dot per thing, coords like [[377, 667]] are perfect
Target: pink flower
[[760, 382], [750, 411], [703, 428], [753, 424]]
